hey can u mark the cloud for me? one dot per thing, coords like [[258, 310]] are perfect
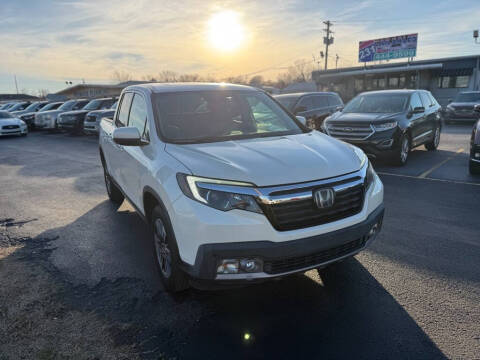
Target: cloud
[[61, 39]]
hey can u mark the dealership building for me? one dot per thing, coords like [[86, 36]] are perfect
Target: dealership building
[[445, 78]]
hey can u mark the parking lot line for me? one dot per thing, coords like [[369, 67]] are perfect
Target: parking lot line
[[430, 179], [429, 171]]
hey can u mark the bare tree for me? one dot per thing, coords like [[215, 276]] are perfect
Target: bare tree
[[149, 77], [42, 93], [121, 76], [300, 71], [190, 78], [167, 76], [256, 80]]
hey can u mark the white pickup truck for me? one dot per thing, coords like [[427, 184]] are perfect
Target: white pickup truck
[[235, 188]]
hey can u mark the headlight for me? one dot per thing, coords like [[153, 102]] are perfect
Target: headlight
[[450, 108], [192, 187], [385, 126], [370, 177]]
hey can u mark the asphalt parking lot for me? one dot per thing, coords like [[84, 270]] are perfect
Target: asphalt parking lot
[[413, 294]]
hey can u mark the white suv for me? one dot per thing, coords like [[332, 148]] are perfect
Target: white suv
[[236, 189]]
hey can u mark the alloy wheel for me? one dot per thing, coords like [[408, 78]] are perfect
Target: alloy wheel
[[436, 140], [405, 149], [162, 250]]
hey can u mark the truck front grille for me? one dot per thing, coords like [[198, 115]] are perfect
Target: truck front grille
[[306, 261], [10, 127], [302, 213], [350, 131]]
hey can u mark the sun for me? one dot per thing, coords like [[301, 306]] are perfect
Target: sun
[[225, 31]]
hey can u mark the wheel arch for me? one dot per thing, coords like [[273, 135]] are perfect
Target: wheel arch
[[150, 200]]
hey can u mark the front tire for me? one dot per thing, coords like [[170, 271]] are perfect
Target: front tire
[[401, 157], [114, 193], [165, 249], [433, 145], [474, 168]]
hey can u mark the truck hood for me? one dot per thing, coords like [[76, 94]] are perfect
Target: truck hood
[[76, 112], [362, 117], [464, 104], [269, 161]]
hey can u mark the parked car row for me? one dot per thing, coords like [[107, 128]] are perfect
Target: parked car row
[[72, 115]]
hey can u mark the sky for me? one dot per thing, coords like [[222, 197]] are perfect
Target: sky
[[48, 42]]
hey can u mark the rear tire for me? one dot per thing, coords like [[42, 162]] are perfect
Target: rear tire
[[114, 193], [165, 249], [432, 145], [401, 157]]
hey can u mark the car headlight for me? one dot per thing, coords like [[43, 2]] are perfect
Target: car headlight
[[385, 126], [222, 200], [450, 108], [22, 123], [370, 177]]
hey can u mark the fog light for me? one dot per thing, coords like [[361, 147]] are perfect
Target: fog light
[[477, 155], [373, 231], [251, 265], [386, 143], [228, 267]]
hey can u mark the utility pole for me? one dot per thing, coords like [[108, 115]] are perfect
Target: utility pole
[[336, 60], [327, 40], [16, 85]]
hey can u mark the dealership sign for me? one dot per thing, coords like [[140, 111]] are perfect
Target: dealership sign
[[388, 48]]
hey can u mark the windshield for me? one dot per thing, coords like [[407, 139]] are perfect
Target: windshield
[[68, 105], [5, 115], [377, 103], [34, 106], [50, 106], [19, 106], [114, 106], [467, 97], [93, 105], [287, 101], [209, 116]]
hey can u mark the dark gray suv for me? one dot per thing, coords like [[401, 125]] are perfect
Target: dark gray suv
[[462, 108], [314, 106]]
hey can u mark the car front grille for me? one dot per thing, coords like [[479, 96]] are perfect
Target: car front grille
[[350, 131], [302, 262], [10, 127], [463, 108], [91, 118], [302, 213]]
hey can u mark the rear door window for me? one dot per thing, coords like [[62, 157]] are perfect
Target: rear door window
[[122, 113]]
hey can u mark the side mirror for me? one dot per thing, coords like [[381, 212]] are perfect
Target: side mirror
[[419, 110], [302, 119], [299, 109], [128, 136], [339, 108], [477, 108]]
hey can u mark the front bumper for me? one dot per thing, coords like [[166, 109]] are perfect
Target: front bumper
[[9, 132], [469, 115], [380, 144], [91, 127], [281, 259], [199, 228]]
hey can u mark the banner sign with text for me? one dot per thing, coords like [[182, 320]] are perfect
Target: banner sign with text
[[394, 47]]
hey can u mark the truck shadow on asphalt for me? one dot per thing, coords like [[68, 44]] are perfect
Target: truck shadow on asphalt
[[342, 313]]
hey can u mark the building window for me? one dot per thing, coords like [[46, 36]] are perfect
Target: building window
[[358, 84], [393, 82], [401, 82], [381, 83], [445, 82]]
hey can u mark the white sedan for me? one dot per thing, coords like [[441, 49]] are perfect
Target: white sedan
[[10, 125]]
